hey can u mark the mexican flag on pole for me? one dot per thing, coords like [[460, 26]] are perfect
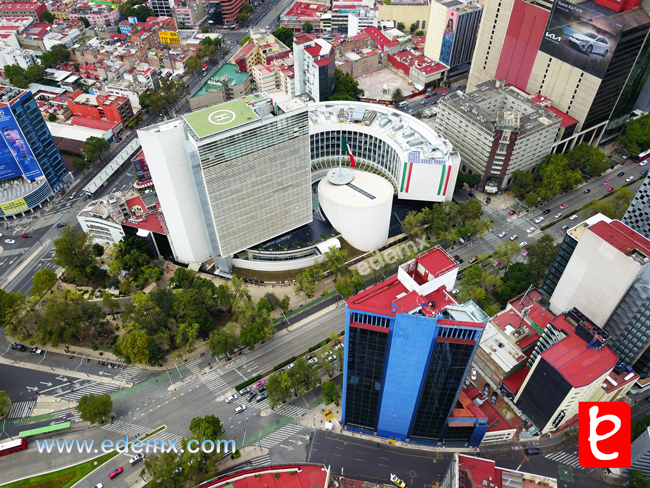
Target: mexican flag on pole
[[346, 148]]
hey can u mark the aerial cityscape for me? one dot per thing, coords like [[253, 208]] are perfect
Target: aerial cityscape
[[324, 243]]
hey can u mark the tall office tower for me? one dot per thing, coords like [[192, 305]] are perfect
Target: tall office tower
[[608, 251], [637, 215], [231, 176], [629, 325], [31, 167], [577, 55], [409, 346]]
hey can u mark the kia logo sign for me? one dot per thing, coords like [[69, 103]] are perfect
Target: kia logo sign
[[553, 38]]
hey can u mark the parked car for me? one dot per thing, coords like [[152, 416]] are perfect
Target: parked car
[[530, 230], [258, 384], [512, 212], [523, 244], [647, 400], [261, 389], [240, 409], [493, 399], [496, 263], [36, 350], [98, 485], [532, 451], [338, 346], [473, 374], [231, 398], [313, 361], [445, 93], [456, 257], [428, 95], [291, 365], [563, 206], [565, 227], [262, 397], [513, 237], [26, 236], [115, 473], [473, 260], [136, 459], [503, 234], [18, 347], [245, 390], [459, 276], [558, 215], [486, 390]]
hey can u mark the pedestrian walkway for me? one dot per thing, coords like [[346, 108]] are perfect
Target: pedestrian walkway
[[21, 410], [78, 390], [214, 383], [282, 435], [127, 428], [260, 462], [68, 413], [565, 459], [193, 365], [167, 437], [135, 375], [291, 411]]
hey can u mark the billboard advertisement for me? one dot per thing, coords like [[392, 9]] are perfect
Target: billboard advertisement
[[168, 37], [448, 35], [14, 207], [17, 145], [581, 37], [141, 169]]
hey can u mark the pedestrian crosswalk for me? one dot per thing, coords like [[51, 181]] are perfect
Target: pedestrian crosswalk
[[260, 462], [134, 375], [291, 411], [214, 382], [78, 389], [21, 410], [13, 252], [565, 459], [62, 414], [193, 365], [127, 428], [281, 435], [165, 436]]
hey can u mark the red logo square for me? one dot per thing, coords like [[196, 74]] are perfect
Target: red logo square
[[605, 434]]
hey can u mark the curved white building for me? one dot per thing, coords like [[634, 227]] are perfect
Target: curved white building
[[360, 211], [418, 162]]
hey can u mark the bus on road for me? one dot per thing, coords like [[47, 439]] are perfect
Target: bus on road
[[12, 446], [642, 157]]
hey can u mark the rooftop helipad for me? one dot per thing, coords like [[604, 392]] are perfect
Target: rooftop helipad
[[224, 116]]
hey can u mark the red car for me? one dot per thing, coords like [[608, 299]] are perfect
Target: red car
[[605, 182], [445, 93], [115, 473], [512, 212], [26, 236], [428, 95], [610, 188]]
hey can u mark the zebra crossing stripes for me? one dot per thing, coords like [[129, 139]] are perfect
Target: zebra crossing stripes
[[280, 435], [165, 436], [214, 382], [88, 388], [14, 252], [291, 411], [193, 365], [67, 412], [127, 428], [133, 375], [565, 459], [21, 410], [260, 461]]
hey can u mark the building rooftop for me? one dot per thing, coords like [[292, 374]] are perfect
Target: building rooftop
[[623, 238], [302, 476], [516, 379], [102, 125], [479, 472], [492, 104], [420, 62], [235, 77], [222, 117], [9, 96], [305, 10], [380, 38]]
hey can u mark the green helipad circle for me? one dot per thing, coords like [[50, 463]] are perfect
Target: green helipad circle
[[222, 117]]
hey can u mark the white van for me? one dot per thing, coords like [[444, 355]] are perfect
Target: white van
[[402, 104]]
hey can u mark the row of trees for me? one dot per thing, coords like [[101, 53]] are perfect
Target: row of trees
[[636, 137], [347, 282], [345, 88], [21, 77], [558, 173], [91, 152], [413, 28], [164, 100], [246, 10]]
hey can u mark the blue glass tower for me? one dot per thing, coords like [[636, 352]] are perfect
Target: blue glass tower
[[409, 346]]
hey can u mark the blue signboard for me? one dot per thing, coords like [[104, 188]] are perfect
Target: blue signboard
[[16, 143]]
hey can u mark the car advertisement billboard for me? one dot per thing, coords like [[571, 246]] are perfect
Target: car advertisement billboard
[[448, 36], [14, 139], [581, 37]]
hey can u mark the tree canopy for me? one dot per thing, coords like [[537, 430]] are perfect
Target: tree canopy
[[345, 88], [73, 251], [284, 35], [43, 281], [95, 409], [613, 206], [636, 135]]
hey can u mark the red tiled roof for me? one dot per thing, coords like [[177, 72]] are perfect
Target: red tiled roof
[[303, 38], [154, 223], [567, 120], [379, 37], [324, 61], [578, 363], [536, 312], [516, 379], [309, 476], [305, 10], [436, 261], [495, 421], [621, 236], [620, 379], [479, 470], [80, 121], [313, 51], [420, 62]]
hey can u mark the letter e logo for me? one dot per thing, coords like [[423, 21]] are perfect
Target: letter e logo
[[605, 433]]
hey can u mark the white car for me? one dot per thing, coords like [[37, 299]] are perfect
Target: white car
[[629, 178], [312, 361], [531, 230], [291, 365], [589, 43], [231, 398], [473, 374], [558, 215], [573, 217], [523, 244], [503, 234], [338, 346], [513, 238], [539, 220], [397, 481], [10, 241], [240, 409], [642, 163]]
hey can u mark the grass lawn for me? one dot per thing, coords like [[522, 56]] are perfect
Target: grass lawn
[[67, 477]]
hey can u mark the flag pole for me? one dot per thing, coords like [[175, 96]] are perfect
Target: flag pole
[[341, 153]]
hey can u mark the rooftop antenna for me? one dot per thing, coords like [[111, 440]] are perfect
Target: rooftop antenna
[[522, 298]]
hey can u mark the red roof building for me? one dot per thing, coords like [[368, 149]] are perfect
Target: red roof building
[[95, 123], [280, 476], [23, 9], [418, 67], [107, 107]]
